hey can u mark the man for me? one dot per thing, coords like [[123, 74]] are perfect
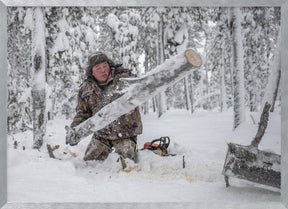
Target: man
[[102, 86]]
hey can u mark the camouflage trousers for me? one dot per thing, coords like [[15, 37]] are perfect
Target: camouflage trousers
[[99, 148]]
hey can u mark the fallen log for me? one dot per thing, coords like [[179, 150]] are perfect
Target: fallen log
[[252, 164], [139, 91]]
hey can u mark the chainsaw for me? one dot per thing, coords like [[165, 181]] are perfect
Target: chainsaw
[[159, 146]]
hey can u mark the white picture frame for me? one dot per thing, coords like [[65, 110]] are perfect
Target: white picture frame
[[225, 203]]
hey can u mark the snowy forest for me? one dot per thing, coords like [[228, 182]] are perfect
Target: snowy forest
[[48, 50], [141, 39]]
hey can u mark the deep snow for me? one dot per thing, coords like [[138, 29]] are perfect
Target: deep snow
[[201, 137]]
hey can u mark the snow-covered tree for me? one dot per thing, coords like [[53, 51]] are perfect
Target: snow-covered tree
[[161, 58], [39, 81], [238, 68], [272, 88], [260, 25], [19, 116], [73, 37], [219, 59], [124, 25], [141, 39]]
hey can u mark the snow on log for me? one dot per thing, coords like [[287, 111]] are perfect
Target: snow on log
[[254, 165], [139, 91], [249, 163]]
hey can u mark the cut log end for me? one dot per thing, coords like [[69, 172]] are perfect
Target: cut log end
[[193, 58]]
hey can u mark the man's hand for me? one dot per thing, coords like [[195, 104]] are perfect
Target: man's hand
[[72, 137]]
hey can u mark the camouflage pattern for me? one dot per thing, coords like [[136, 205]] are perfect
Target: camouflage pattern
[[91, 98], [100, 148]]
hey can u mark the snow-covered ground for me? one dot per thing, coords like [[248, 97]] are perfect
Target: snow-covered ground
[[200, 137]]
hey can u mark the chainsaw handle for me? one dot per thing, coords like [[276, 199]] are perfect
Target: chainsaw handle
[[165, 140], [166, 143]]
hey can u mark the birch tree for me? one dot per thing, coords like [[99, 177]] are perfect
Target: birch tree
[[237, 66], [38, 88]]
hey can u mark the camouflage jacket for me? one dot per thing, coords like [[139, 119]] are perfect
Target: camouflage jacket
[[92, 97]]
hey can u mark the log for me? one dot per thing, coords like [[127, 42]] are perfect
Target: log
[[139, 90], [253, 165], [249, 163]]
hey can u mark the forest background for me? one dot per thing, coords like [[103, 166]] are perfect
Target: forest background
[[238, 46]]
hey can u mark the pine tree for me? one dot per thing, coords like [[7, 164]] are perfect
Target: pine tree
[[19, 117], [261, 26], [219, 60], [124, 25]]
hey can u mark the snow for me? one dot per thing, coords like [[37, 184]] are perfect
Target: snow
[[201, 138], [182, 38], [26, 94], [61, 42], [180, 34], [28, 20], [133, 30], [155, 18], [90, 36], [113, 22]]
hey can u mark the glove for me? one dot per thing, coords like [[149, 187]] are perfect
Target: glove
[[120, 69], [72, 137]]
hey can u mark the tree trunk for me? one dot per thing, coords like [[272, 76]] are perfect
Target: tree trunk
[[223, 105], [161, 98], [190, 77], [275, 94], [38, 89], [161, 104], [146, 108], [262, 125], [146, 104], [206, 67], [271, 90], [187, 98], [191, 94], [238, 68], [154, 104]]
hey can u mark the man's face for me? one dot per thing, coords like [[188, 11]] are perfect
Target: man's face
[[101, 71]]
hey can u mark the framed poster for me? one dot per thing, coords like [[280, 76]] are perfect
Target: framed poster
[[116, 190]]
